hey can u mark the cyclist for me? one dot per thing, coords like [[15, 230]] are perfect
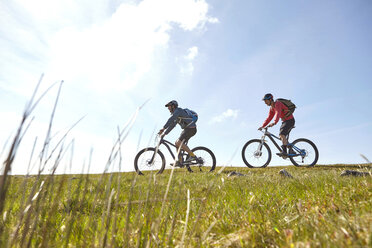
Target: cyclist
[[279, 110], [187, 123]]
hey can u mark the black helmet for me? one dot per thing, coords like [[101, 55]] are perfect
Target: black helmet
[[268, 96], [173, 102]]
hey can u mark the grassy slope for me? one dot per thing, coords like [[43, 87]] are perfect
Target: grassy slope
[[317, 208]]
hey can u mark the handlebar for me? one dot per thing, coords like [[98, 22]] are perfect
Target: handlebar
[[264, 130]]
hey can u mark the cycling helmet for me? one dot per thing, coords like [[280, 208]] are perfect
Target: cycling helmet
[[173, 102], [268, 96]]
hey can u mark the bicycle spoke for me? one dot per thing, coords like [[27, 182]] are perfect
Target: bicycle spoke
[[146, 161], [255, 154], [306, 153], [205, 161]]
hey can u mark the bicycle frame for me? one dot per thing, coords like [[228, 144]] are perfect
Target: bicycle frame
[[167, 144], [271, 136]]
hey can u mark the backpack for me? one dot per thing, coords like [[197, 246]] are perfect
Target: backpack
[[192, 114], [290, 105]]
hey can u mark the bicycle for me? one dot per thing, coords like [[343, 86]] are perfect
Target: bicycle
[[151, 158], [256, 153]]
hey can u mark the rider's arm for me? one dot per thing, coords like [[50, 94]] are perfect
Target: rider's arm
[[269, 118], [172, 121]]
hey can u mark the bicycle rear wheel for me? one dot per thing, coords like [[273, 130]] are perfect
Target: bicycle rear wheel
[[206, 160], [305, 153], [145, 161], [256, 154]]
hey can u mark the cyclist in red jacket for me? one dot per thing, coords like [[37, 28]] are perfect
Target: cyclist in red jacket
[[279, 110]]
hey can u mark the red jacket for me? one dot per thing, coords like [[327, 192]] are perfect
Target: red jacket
[[279, 110]]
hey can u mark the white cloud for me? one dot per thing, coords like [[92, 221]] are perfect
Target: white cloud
[[84, 43], [228, 114], [193, 52], [93, 46], [187, 66]]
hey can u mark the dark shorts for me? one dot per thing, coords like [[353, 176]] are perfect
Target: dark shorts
[[187, 133], [287, 126]]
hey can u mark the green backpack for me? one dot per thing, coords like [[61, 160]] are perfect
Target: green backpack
[[290, 105]]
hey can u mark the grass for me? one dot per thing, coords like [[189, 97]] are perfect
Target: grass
[[315, 208], [262, 209]]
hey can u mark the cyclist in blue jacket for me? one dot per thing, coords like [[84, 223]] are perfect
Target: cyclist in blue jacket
[[187, 122]]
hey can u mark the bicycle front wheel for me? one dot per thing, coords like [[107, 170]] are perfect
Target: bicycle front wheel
[[256, 154], [206, 161], [146, 160], [303, 153]]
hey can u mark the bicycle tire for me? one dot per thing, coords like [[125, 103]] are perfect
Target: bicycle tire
[[141, 161], [208, 158], [249, 155], [309, 152]]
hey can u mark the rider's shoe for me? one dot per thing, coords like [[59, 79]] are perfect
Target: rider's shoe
[[284, 153]]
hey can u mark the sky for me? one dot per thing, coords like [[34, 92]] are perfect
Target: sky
[[217, 58]]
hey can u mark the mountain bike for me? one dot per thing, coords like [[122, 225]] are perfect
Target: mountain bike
[[153, 159], [256, 153]]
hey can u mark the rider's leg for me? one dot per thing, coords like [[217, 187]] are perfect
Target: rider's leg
[[178, 145], [285, 142], [183, 147], [284, 139], [284, 132], [185, 136]]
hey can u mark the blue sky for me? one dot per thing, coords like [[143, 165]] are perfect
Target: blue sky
[[216, 57]]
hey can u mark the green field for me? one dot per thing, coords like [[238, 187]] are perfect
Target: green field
[[315, 208]]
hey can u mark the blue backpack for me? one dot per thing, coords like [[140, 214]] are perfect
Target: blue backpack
[[192, 114]]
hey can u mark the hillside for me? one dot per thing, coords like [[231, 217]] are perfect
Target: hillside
[[317, 207]]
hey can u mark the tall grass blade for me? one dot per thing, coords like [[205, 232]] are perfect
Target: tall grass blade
[[187, 218]]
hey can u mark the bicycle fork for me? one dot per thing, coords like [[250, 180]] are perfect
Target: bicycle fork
[[152, 160], [258, 152]]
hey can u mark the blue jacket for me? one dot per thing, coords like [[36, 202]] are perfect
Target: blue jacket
[[181, 117]]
